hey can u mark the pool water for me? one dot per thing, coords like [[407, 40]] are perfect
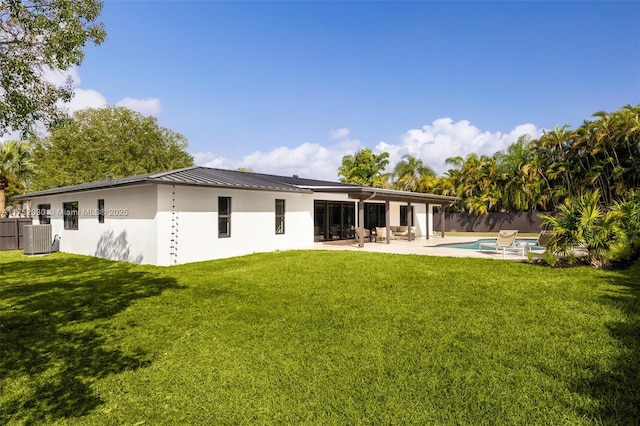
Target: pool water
[[475, 245]]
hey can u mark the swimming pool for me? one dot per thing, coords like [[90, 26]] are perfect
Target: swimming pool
[[475, 245]]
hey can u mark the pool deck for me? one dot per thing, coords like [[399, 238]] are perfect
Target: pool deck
[[423, 246]]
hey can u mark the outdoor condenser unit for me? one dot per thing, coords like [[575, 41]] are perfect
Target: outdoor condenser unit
[[37, 239]]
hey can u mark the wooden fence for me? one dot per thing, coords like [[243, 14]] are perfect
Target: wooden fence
[[490, 222], [12, 233]]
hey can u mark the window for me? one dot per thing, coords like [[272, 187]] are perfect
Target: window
[[224, 217], [100, 210], [70, 215], [403, 216], [279, 216], [44, 210]]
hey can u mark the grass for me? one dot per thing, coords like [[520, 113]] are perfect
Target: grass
[[319, 338]]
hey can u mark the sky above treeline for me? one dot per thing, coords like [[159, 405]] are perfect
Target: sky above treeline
[[291, 87]]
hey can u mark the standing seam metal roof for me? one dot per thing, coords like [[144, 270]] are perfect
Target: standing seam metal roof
[[197, 175], [220, 178]]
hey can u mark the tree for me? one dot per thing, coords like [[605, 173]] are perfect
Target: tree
[[409, 171], [37, 36], [15, 167], [557, 145], [475, 179], [365, 168], [114, 141], [524, 186]]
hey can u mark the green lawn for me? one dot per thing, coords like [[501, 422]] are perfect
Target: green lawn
[[317, 337]]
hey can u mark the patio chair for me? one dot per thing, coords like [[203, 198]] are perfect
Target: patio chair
[[381, 234], [366, 233], [505, 241], [544, 237]]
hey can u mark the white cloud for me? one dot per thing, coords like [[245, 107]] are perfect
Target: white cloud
[[60, 78], [433, 144], [307, 160], [85, 98], [444, 138], [90, 98], [148, 106], [82, 98], [209, 159], [340, 133]]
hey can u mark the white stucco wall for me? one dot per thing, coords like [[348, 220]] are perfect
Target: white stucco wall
[[326, 196], [195, 217], [139, 219], [128, 231]]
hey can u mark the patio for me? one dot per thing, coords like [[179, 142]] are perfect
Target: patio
[[420, 246]]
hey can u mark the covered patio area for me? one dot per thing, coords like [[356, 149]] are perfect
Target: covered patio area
[[369, 194]]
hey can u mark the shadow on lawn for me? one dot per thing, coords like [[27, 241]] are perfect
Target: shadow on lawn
[[53, 341], [618, 390]]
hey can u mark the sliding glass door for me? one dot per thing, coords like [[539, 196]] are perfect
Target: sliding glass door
[[333, 220], [374, 215]]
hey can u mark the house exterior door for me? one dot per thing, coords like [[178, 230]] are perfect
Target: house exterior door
[[333, 220]]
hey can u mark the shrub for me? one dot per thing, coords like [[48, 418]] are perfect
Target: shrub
[[584, 223], [629, 209]]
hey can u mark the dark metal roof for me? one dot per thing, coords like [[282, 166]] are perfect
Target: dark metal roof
[[380, 194], [206, 176], [301, 182], [199, 176], [108, 183]]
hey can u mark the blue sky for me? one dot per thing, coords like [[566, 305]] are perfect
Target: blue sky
[[291, 87]]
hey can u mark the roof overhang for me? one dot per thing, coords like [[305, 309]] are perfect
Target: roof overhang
[[230, 179], [367, 193]]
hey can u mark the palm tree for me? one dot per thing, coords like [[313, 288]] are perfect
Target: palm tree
[[15, 162], [558, 143], [585, 223], [408, 172], [364, 168]]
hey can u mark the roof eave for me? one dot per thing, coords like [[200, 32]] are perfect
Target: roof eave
[[73, 188], [152, 180], [247, 187], [381, 194]]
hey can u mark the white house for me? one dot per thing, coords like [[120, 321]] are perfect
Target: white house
[[201, 213]]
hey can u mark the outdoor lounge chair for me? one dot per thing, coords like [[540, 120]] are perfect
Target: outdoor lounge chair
[[505, 241], [381, 234], [544, 237]]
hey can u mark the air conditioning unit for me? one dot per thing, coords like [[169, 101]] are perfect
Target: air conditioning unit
[[37, 239]]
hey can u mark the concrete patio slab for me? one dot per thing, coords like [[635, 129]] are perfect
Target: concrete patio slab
[[421, 246]]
